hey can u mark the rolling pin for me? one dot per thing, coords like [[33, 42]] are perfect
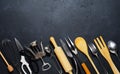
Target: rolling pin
[[9, 67], [61, 57]]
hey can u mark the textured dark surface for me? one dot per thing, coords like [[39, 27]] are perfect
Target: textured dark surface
[[30, 20]]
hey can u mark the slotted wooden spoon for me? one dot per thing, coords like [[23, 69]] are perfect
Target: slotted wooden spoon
[[82, 46]]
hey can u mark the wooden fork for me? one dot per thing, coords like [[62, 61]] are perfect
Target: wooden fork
[[100, 43]]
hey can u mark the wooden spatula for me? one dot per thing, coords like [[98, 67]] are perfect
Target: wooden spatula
[[61, 57], [82, 46], [9, 67]]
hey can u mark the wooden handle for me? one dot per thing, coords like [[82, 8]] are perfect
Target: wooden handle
[[70, 72], [112, 65], [87, 71], [10, 68], [53, 41], [4, 59], [61, 57], [93, 64]]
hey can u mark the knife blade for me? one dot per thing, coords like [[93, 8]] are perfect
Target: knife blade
[[18, 44], [67, 51]]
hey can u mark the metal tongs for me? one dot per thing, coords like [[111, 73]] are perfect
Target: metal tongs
[[38, 54]]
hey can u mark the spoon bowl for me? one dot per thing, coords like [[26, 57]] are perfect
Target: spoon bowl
[[113, 47], [81, 45]]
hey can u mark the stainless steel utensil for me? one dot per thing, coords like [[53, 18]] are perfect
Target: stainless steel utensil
[[113, 48], [94, 51], [39, 54], [49, 51]]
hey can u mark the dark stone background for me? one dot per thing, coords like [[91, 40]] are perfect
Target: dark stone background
[[30, 20]]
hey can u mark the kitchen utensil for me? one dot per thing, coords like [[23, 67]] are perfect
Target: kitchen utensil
[[75, 52], [94, 51], [9, 67], [82, 46], [22, 59], [39, 54], [69, 54], [50, 53], [61, 57], [7, 44], [113, 48], [100, 43], [32, 62]]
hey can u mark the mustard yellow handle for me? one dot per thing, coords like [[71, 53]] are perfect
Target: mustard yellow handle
[[112, 65], [93, 64], [53, 41], [87, 71], [10, 68], [70, 72]]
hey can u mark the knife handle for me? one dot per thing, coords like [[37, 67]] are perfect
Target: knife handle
[[84, 66]]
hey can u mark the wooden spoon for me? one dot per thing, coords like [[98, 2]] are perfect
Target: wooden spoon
[[82, 46]]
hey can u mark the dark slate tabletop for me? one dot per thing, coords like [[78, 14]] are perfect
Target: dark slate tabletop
[[30, 20]]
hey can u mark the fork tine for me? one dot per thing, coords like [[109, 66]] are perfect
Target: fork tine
[[72, 44], [103, 41], [97, 44], [29, 49], [100, 43], [42, 47], [68, 43]]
